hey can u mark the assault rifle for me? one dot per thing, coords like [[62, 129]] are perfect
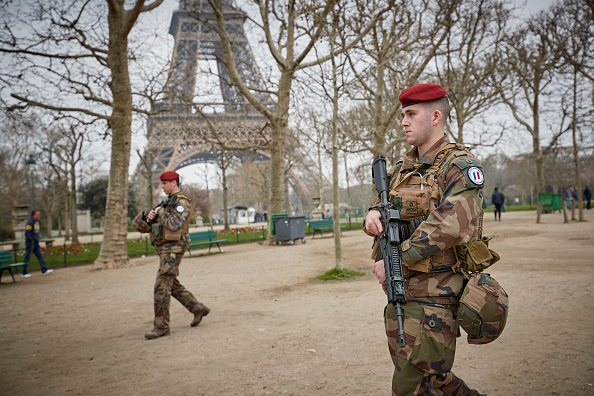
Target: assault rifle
[[161, 204], [389, 242]]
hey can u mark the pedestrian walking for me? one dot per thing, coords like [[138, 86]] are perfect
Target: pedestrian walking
[[32, 245], [497, 199]]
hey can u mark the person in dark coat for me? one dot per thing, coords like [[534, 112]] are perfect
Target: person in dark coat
[[497, 199], [588, 196], [32, 245]]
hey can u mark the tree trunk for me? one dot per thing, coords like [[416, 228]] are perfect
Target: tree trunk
[[114, 249], [335, 198], [149, 180], [277, 157], [67, 216], [49, 220], [538, 156], [576, 159], [59, 223], [73, 206], [538, 163], [225, 196], [379, 142], [287, 199], [208, 203], [564, 208], [320, 177], [346, 172]]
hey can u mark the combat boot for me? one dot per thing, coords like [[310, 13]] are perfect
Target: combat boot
[[156, 333], [198, 316]]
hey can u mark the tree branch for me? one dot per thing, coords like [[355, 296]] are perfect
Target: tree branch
[[30, 102]]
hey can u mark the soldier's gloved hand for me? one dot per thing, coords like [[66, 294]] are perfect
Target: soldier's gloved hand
[[380, 271], [373, 223]]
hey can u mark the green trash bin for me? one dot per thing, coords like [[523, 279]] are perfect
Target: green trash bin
[[557, 201], [547, 201], [272, 217]]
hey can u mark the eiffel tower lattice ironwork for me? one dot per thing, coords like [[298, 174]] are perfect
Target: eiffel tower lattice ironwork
[[176, 135]]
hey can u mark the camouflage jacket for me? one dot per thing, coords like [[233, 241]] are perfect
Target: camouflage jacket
[[428, 256], [176, 218]]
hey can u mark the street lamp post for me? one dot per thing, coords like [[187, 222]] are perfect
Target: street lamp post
[[31, 164]]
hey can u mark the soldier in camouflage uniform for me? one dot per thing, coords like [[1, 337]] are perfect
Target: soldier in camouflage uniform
[[169, 235], [443, 182]]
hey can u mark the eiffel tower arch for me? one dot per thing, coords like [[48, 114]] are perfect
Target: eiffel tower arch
[[185, 131]]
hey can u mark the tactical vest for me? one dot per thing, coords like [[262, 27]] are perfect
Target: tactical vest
[[163, 234], [416, 193]]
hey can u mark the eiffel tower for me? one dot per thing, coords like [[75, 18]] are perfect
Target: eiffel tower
[[181, 134]]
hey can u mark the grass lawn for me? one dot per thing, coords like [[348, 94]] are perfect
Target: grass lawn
[[86, 253]]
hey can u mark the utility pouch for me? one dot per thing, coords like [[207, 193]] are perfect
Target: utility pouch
[[476, 256], [413, 203], [156, 232], [169, 235], [423, 265]]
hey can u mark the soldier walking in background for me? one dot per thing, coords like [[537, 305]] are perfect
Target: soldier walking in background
[[442, 181], [168, 225]]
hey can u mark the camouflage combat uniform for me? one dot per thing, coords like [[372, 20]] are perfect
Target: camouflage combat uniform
[[174, 218], [433, 287]]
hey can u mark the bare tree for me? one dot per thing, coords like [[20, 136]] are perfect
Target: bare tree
[[225, 160], [570, 29], [64, 145], [532, 64], [469, 55], [15, 186], [75, 61], [204, 176], [395, 54], [312, 130], [298, 27], [147, 161]]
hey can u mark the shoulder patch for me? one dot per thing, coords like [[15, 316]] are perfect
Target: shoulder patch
[[476, 175], [472, 170], [180, 209]]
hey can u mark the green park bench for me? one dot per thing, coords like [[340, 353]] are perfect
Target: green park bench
[[322, 225], [6, 263], [204, 238]]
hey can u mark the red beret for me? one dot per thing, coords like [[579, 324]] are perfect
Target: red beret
[[169, 175], [421, 93]]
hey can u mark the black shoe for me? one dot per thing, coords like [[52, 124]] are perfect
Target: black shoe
[[156, 333], [198, 317]]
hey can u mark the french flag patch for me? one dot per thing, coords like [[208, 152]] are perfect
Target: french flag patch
[[476, 176]]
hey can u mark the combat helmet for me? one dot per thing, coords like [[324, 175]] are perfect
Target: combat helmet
[[483, 309], [140, 225]]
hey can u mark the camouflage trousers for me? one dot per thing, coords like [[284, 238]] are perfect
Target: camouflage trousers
[[167, 285], [423, 366]]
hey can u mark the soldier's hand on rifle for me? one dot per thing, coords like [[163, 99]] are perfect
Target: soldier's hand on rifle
[[151, 215], [380, 271], [373, 223]]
